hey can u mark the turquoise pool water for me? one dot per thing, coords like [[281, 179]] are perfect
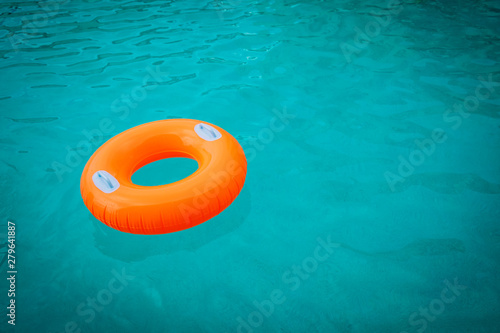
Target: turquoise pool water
[[372, 136]]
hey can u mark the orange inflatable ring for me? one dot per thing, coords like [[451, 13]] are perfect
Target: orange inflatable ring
[[110, 195]]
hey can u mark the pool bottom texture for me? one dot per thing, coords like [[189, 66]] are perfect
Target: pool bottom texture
[[371, 131]]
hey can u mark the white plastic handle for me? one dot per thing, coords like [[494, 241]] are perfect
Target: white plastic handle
[[105, 181], [207, 132]]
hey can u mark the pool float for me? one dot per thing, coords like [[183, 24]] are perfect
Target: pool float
[[110, 195]]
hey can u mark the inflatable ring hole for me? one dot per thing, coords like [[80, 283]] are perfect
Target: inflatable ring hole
[[165, 171]]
